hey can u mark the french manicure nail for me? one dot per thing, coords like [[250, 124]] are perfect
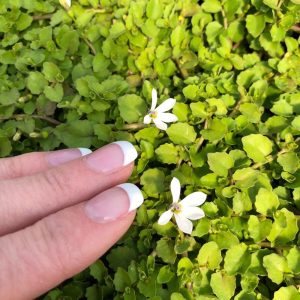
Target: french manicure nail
[[112, 157], [59, 157], [114, 203]]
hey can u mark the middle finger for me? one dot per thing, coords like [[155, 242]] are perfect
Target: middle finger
[[25, 200]]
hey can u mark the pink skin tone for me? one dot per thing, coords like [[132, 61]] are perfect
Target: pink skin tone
[[59, 212]]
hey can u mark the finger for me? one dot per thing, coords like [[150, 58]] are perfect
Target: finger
[[57, 247], [35, 162], [25, 200]]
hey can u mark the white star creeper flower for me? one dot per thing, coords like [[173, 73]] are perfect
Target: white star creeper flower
[[158, 114], [66, 4], [185, 210]]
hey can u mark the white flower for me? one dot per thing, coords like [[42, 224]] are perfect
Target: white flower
[[185, 210], [66, 4], [158, 114]]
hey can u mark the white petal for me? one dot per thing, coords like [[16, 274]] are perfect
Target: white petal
[[165, 217], [175, 189], [194, 199], [166, 105], [193, 213], [160, 124], [183, 223], [154, 99], [147, 119], [167, 117], [65, 3]]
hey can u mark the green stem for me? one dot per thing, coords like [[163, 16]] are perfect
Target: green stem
[[133, 126], [296, 28], [225, 21], [258, 165], [42, 17], [201, 140], [22, 116]]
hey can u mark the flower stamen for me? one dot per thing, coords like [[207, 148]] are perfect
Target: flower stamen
[[175, 208]]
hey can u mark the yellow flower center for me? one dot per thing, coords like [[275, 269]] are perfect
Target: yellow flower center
[[175, 208], [153, 114]]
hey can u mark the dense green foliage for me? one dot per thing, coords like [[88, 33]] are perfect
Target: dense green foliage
[[83, 78]]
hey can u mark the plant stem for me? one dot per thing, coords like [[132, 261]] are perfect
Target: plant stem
[[225, 21], [21, 116], [133, 126], [296, 28], [258, 165], [90, 45], [201, 140], [42, 17]]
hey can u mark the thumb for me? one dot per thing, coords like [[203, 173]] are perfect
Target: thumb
[[57, 247]]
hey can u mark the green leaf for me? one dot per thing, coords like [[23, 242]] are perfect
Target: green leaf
[[181, 110], [271, 3], [36, 82], [266, 202], [121, 280], [165, 274], [293, 260], [259, 229], [181, 133], [289, 162], [121, 257], [284, 228], [276, 266], [103, 132], [288, 292], [98, 270], [54, 93], [220, 163], [210, 256], [237, 259], [132, 107], [152, 181], [167, 153], [257, 146], [225, 239], [9, 97], [165, 250], [75, 134], [223, 285], [5, 146], [52, 72], [282, 108], [216, 130], [211, 6], [154, 9], [191, 92], [296, 123], [255, 24], [251, 111], [23, 22]]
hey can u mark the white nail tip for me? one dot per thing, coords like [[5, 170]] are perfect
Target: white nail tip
[[85, 151], [130, 154], [135, 195]]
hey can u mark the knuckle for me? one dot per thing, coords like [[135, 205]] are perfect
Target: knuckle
[[54, 241], [10, 168], [56, 182]]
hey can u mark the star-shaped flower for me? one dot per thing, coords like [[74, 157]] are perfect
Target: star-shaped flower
[[185, 210], [66, 4], [158, 114]]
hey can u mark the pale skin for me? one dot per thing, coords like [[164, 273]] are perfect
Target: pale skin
[[45, 234]]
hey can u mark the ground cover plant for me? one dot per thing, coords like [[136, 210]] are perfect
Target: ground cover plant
[[83, 76]]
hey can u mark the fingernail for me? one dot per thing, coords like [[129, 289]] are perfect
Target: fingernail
[[59, 157], [114, 203], [112, 157]]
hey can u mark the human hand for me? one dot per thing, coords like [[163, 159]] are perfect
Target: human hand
[[59, 212]]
